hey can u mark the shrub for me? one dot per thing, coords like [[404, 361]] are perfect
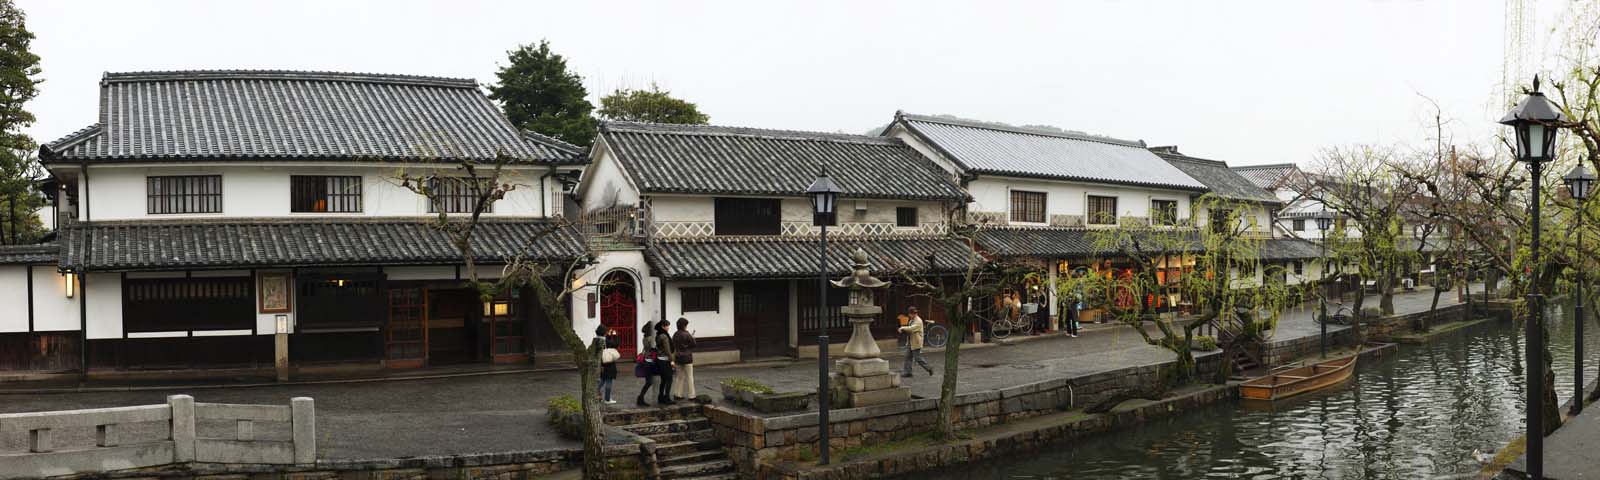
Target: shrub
[[1205, 343], [566, 414], [747, 385]]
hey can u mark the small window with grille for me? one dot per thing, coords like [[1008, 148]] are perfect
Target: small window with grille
[[1102, 210], [701, 299], [905, 216], [324, 194], [184, 194], [1027, 206], [456, 195]]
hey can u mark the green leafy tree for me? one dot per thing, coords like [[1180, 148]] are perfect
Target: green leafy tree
[[654, 105], [539, 93], [19, 83]]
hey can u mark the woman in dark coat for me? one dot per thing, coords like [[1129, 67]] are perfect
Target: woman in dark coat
[[663, 364]]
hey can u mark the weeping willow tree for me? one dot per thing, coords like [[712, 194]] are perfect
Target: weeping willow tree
[[1217, 269]]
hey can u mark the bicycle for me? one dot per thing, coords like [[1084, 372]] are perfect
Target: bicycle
[[1004, 327], [934, 335]]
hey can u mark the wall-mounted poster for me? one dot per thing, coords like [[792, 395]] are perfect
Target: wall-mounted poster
[[274, 292]]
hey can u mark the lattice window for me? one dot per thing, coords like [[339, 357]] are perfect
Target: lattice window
[[1027, 206], [456, 195], [700, 299], [1164, 212], [1102, 210], [905, 216], [184, 194], [324, 194]]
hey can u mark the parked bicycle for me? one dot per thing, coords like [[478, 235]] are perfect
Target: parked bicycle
[[934, 335], [1004, 327]]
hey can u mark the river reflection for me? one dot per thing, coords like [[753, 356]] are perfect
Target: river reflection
[[1419, 414]]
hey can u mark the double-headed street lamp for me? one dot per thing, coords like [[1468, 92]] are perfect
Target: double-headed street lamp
[[824, 211], [1536, 121], [1579, 182], [1324, 221]]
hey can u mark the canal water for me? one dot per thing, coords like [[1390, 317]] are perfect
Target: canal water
[[1420, 414]]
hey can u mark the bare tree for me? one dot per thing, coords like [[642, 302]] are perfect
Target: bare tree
[[471, 188]]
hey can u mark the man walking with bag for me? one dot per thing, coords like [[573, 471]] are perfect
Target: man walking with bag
[[913, 329]]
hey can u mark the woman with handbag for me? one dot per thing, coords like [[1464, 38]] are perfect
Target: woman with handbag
[[608, 362], [663, 364], [645, 364]]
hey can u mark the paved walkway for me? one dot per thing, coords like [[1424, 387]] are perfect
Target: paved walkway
[[494, 413], [1569, 453]]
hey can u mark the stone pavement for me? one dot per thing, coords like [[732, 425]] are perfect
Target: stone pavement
[[1569, 453], [505, 412]]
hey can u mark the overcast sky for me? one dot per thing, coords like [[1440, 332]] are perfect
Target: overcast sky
[[1245, 82]]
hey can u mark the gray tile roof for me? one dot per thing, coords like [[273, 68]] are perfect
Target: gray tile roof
[[1266, 176], [1020, 152], [1050, 242], [744, 258], [20, 254], [245, 243], [697, 159], [1279, 249], [1216, 176], [268, 114]]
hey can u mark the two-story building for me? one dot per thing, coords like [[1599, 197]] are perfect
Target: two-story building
[[1288, 260], [1036, 193], [203, 211], [724, 235]]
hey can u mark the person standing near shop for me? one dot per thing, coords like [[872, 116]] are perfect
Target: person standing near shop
[[683, 345], [608, 361], [647, 367], [913, 331]]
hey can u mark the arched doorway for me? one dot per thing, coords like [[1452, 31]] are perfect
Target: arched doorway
[[619, 309]]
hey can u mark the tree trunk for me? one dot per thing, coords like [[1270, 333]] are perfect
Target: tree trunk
[[1361, 300], [587, 360], [952, 368], [1386, 287]]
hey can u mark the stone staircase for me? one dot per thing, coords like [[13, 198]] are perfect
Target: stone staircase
[[686, 446]]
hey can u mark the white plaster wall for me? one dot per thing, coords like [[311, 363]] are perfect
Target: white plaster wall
[[704, 324], [605, 185], [13, 298], [993, 194], [52, 310], [683, 208], [648, 306], [262, 190], [104, 294], [899, 131], [432, 272]]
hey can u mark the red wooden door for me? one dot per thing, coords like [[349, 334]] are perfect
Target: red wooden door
[[618, 312]]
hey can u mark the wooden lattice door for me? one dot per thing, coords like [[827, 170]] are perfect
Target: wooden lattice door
[[406, 338]]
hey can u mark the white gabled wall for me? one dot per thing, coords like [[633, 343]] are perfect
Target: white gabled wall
[[604, 183], [646, 300], [118, 192], [704, 324], [993, 194]]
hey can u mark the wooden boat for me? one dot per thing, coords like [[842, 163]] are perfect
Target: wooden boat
[[1285, 383]]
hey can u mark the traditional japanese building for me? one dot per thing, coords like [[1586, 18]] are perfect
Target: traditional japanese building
[[722, 235], [202, 211]]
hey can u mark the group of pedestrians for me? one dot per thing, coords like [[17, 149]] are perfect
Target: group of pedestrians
[[665, 361]]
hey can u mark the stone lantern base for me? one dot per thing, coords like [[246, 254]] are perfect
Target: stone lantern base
[[863, 378]]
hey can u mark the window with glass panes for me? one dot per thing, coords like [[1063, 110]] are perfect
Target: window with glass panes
[[1299, 225], [1102, 210], [455, 195], [184, 194], [324, 194], [1027, 206]]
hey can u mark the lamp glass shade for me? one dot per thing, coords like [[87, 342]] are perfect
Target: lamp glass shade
[[1533, 140], [1580, 183]]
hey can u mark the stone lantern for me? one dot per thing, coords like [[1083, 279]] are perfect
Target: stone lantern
[[864, 378]]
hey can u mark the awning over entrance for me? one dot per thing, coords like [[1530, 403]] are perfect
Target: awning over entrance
[[1289, 249], [764, 258], [235, 243]]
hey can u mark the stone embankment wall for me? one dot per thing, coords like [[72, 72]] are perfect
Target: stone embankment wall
[[752, 440]]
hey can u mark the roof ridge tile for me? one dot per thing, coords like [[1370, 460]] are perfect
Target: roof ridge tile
[[276, 74]]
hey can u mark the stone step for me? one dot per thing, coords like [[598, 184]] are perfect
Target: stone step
[[693, 457], [697, 469], [719, 476], [673, 449], [669, 426], [637, 415], [689, 436]]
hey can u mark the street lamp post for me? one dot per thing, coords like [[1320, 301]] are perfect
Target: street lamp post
[[1324, 221], [824, 197], [1578, 181], [1536, 121]]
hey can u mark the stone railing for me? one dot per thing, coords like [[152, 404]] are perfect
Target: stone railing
[[182, 445], [675, 230]]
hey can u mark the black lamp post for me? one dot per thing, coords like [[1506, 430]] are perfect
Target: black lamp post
[[1324, 220], [824, 211], [1578, 181], [1536, 121]]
